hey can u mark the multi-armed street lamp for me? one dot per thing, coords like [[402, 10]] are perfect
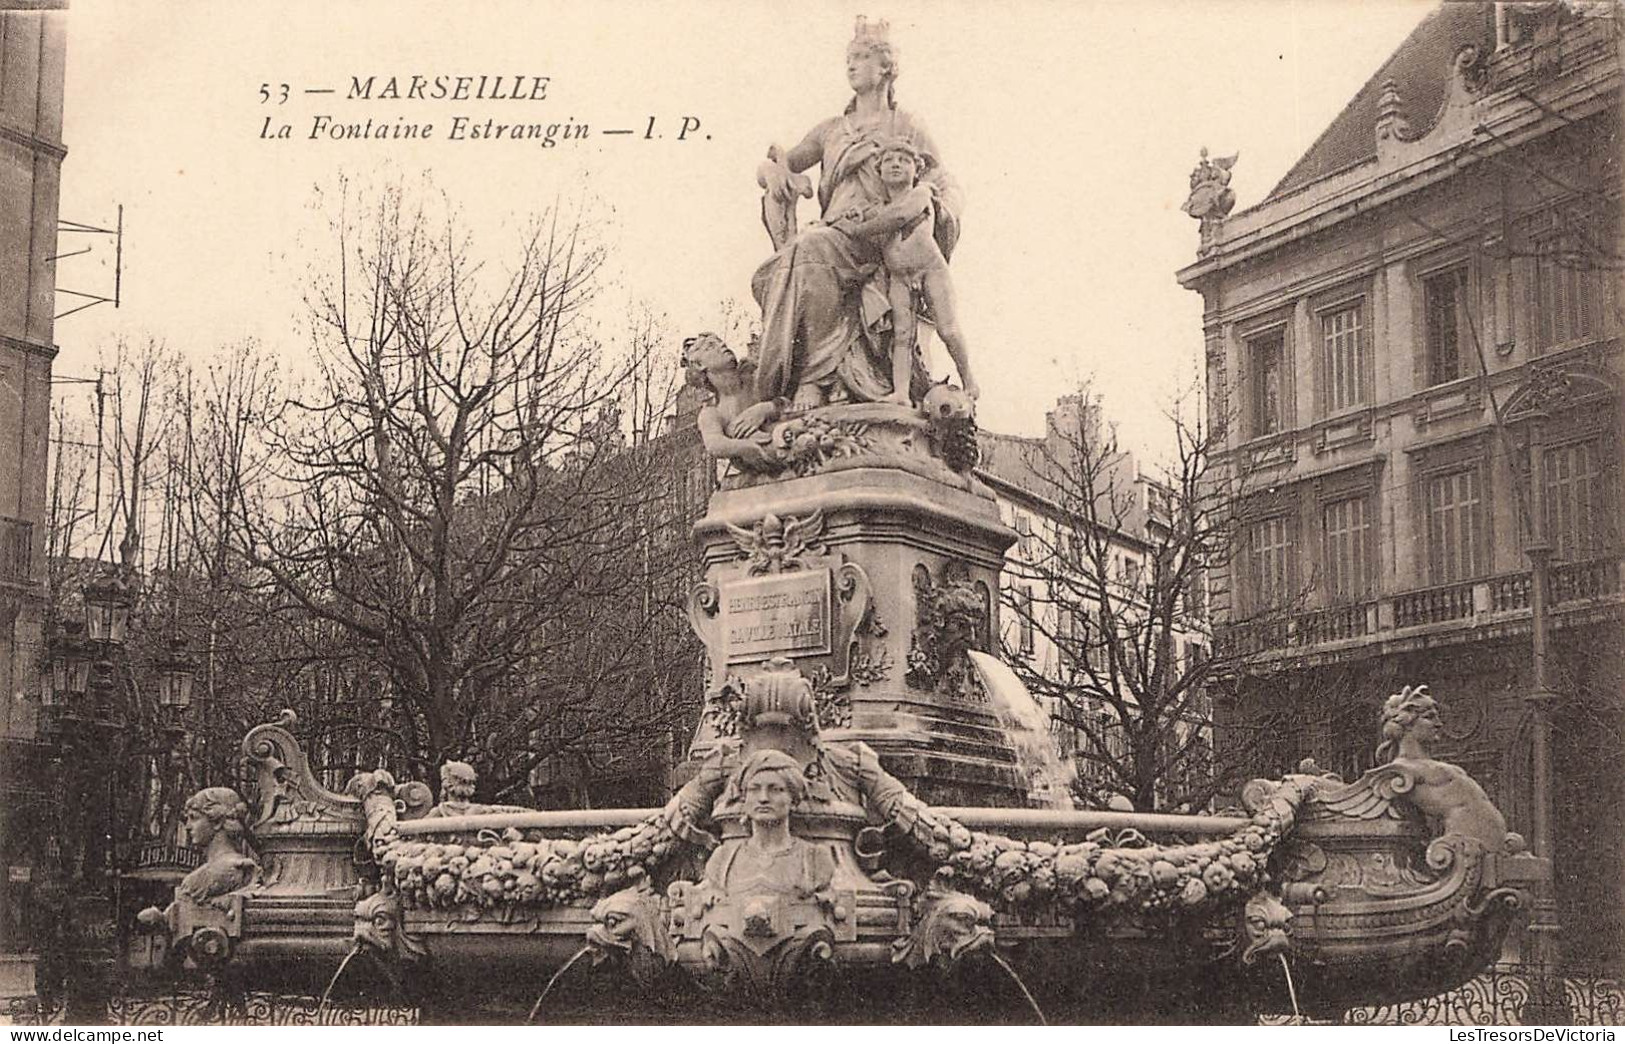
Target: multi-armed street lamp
[[99, 715]]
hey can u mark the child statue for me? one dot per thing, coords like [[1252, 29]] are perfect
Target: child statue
[[914, 260]]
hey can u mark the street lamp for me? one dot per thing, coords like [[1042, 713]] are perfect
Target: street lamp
[[69, 674], [175, 673], [107, 608]]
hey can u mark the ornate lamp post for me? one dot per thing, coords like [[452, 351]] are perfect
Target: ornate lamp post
[[67, 677], [175, 671], [107, 609], [1547, 393], [1548, 1003]]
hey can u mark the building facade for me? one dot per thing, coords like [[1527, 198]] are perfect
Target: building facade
[[1412, 349], [31, 153], [1054, 572]]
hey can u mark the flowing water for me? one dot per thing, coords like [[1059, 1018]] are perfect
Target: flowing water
[[1028, 726], [1292, 991], [534, 1008], [320, 1008], [998, 958]]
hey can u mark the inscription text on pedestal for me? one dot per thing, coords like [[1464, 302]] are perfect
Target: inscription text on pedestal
[[785, 614]]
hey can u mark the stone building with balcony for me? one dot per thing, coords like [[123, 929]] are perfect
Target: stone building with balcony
[[31, 153], [1413, 349]]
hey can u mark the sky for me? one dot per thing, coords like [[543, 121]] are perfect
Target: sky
[[1071, 127]]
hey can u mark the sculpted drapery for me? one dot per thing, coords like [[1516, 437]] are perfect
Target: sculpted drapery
[[825, 334]]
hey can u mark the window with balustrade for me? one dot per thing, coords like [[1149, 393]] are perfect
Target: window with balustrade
[[1345, 360], [1581, 501], [1457, 548], [1349, 529]]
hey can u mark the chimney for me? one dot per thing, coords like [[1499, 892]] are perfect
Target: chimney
[[1074, 422]]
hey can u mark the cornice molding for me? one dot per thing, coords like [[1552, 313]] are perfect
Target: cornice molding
[[44, 351], [53, 149]]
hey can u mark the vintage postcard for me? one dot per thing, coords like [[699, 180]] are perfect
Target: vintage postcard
[[702, 513]]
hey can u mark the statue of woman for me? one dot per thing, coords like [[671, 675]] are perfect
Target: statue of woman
[[771, 861], [824, 293], [1444, 793], [217, 822]]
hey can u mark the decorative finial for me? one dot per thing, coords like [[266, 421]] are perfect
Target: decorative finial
[[1391, 121]]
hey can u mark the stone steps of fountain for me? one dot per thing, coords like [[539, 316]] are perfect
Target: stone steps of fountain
[[940, 737]]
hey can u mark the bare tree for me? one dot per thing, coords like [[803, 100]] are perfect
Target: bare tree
[[1116, 585], [454, 497]]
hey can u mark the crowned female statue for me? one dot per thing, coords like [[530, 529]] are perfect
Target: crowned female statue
[[825, 332]]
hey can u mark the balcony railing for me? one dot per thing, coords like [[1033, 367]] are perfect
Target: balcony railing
[[1573, 585], [16, 550], [1581, 581], [1434, 605], [1335, 624]]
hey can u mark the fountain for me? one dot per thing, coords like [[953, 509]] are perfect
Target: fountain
[[853, 838], [1028, 726]]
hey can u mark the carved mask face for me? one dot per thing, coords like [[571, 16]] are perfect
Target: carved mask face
[[767, 799], [1266, 927], [1427, 725]]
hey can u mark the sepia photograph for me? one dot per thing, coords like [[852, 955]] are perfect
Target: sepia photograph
[[906, 514]]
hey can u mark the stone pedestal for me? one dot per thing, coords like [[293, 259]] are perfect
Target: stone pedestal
[[874, 576], [18, 1002]]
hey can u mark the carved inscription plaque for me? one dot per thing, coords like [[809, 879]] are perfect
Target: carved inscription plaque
[[787, 614]]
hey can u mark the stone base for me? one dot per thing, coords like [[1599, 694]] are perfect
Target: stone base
[[913, 565], [17, 996]]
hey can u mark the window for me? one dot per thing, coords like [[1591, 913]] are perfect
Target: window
[[1455, 527], [1195, 593], [16, 549], [1024, 619], [1072, 628], [1572, 291], [1024, 537], [1269, 561], [1348, 531], [1444, 301], [1577, 500], [1268, 358], [1343, 334]]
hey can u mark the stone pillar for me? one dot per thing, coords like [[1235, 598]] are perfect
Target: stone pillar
[[875, 581]]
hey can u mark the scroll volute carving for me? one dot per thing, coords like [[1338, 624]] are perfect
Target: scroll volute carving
[[288, 789]]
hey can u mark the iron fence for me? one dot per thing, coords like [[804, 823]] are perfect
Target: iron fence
[[207, 1008], [1496, 998]]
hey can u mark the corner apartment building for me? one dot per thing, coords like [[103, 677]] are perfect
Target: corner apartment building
[[1412, 346], [1036, 482]]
